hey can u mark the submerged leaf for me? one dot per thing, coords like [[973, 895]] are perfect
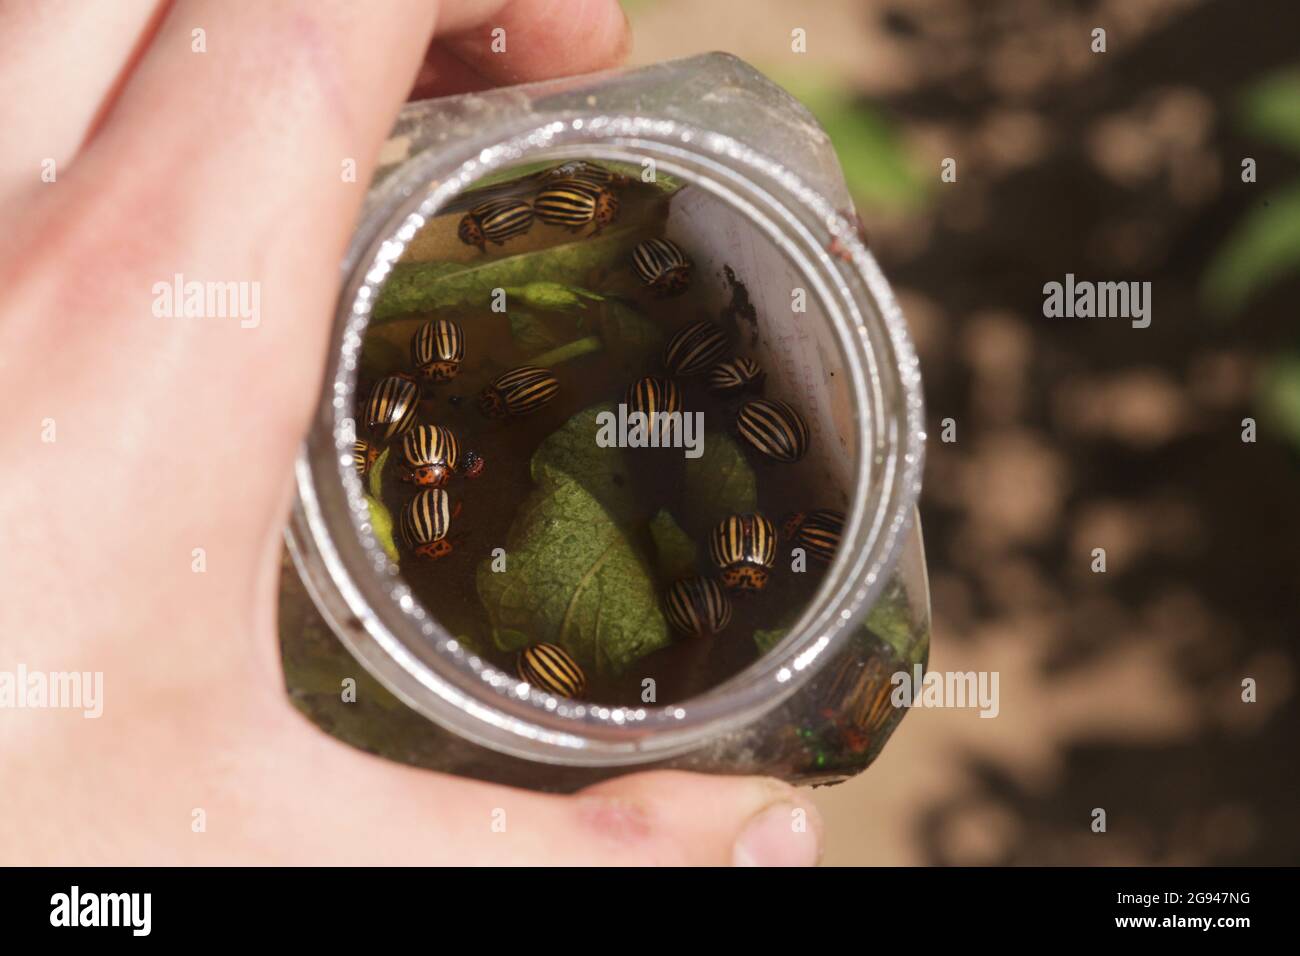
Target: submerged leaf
[[674, 548], [381, 522], [890, 619], [575, 580], [765, 640], [425, 286], [536, 333], [552, 295], [377, 475], [718, 483], [572, 453], [627, 333]]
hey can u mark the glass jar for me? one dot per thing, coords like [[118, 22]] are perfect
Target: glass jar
[[816, 708]]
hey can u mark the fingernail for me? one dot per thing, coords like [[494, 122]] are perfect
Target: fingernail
[[784, 834]]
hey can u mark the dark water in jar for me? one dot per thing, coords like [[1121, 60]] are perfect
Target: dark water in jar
[[488, 504]]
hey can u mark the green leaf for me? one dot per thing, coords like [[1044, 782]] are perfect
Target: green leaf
[[768, 639], [568, 351], [1280, 395], [377, 475], [425, 286], [382, 523], [509, 640], [536, 333], [1261, 250], [674, 548], [627, 333], [1271, 109], [718, 483], [552, 296], [573, 579], [876, 163], [571, 453], [890, 619]]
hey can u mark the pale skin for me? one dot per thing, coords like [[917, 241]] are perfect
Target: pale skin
[[174, 434]]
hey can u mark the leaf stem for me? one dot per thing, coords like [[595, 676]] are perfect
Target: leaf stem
[[565, 353]]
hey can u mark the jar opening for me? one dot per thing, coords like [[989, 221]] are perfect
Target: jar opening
[[873, 432]]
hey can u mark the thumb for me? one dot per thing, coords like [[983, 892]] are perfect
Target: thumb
[[674, 818]]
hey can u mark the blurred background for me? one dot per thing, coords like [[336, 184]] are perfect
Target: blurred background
[[1119, 690]]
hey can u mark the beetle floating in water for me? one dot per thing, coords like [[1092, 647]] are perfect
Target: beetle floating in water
[[774, 428], [694, 348], [496, 221], [437, 349], [698, 606], [736, 375], [519, 391], [744, 549], [817, 532], [425, 523], [661, 264], [573, 203], [391, 407], [431, 455], [552, 669]]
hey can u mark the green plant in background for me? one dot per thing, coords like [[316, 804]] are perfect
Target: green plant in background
[[1265, 245], [879, 172]]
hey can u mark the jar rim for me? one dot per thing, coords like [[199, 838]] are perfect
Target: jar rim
[[374, 613]]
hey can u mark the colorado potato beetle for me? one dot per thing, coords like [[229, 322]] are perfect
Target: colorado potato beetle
[[573, 203], [519, 391], [425, 522], [736, 375], [652, 395], [391, 407], [695, 348], [661, 264], [817, 532], [579, 170], [698, 606], [744, 549], [430, 455], [495, 220], [364, 456], [551, 668], [774, 428], [437, 349]]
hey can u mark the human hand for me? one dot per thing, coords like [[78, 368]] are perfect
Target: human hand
[[126, 157]]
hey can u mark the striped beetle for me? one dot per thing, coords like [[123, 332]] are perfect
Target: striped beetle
[[551, 668], [391, 406], [661, 264], [817, 532], [744, 549], [698, 606], [496, 220], [425, 522], [437, 349], [694, 348], [519, 391], [774, 428]]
